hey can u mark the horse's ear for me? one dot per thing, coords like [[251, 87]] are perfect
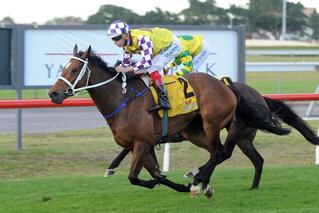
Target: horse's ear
[[75, 50], [89, 50], [87, 53]]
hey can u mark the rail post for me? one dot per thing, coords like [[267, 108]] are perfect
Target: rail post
[[166, 158], [317, 151]]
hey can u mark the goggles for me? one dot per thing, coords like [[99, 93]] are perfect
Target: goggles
[[117, 38]]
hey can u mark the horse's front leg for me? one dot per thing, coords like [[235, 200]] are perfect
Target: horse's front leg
[[140, 150], [116, 162], [152, 167]]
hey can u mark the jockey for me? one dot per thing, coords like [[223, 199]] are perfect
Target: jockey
[[193, 54], [158, 47]]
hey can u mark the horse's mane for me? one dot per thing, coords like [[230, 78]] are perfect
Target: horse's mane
[[98, 61]]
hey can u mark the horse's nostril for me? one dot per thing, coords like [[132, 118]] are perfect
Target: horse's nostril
[[54, 95]]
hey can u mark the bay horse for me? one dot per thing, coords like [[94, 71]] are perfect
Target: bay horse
[[124, 100], [243, 129]]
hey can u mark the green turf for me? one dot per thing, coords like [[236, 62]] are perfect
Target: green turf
[[283, 189], [283, 82]]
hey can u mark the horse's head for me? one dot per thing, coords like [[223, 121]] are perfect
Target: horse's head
[[74, 75]]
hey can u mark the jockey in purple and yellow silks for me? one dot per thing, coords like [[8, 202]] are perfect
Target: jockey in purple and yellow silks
[[158, 47], [194, 52]]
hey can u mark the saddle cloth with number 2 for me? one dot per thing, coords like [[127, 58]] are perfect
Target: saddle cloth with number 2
[[180, 94]]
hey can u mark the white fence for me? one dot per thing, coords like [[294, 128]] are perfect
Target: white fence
[[281, 66]]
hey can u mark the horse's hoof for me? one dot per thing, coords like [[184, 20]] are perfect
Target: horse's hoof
[[191, 174], [152, 183], [208, 192], [253, 188], [195, 190], [109, 172]]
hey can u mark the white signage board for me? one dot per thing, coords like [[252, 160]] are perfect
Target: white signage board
[[47, 51]]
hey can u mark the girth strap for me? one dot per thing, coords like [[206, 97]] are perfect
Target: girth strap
[[164, 130]]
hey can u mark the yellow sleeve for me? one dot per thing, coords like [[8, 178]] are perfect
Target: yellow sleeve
[[187, 60]]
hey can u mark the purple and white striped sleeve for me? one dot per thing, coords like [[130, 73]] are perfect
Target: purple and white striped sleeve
[[126, 59], [146, 46]]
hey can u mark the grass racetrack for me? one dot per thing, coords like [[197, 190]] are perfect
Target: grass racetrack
[[283, 189]]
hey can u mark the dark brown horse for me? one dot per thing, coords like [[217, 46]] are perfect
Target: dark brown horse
[[135, 128], [244, 126]]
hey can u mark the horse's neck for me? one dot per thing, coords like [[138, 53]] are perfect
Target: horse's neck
[[106, 97]]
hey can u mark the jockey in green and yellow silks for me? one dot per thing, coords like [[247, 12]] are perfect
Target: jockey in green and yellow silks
[[158, 47], [194, 52]]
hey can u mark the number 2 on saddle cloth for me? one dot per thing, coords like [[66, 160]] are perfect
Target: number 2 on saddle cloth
[[181, 96]]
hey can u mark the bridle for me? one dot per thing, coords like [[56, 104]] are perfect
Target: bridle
[[72, 90]]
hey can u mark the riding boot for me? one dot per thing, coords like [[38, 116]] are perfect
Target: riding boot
[[163, 102]]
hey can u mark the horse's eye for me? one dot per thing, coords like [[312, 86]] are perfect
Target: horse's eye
[[74, 70]]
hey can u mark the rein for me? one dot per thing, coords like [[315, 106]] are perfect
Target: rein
[[126, 101], [72, 90]]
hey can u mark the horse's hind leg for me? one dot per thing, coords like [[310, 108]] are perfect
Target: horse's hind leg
[[205, 171], [236, 132], [152, 167], [247, 147], [116, 162], [213, 139], [198, 138], [143, 155]]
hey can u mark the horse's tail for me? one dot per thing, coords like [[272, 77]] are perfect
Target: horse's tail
[[287, 115], [257, 115]]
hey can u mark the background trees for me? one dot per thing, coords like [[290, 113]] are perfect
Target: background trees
[[161, 17], [107, 13], [314, 24], [203, 12], [7, 20], [69, 20]]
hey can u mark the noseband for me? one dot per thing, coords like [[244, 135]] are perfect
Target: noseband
[[72, 90]]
